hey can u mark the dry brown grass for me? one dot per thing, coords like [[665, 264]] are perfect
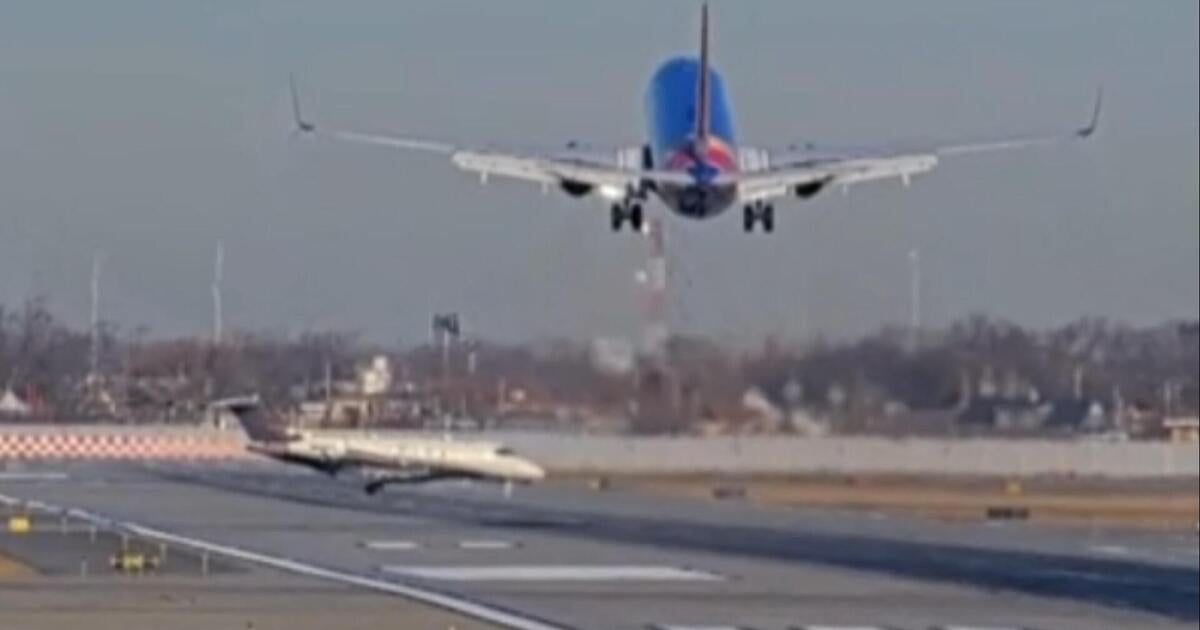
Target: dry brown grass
[[1157, 505], [11, 569]]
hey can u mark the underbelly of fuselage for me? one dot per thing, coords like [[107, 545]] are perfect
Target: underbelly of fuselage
[[697, 201]]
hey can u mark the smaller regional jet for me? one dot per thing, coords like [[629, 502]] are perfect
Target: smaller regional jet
[[381, 459]]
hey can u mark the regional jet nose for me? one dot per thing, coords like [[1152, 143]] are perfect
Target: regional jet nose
[[529, 472]]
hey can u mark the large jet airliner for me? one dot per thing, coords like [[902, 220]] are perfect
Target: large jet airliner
[[692, 161]]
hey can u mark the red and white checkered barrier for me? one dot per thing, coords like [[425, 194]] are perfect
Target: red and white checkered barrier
[[118, 443]]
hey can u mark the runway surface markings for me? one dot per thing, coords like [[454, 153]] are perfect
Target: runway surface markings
[[1111, 550], [827, 627], [977, 628], [478, 610], [486, 544], [20, 475], [391, 545], [678, 627], [553, 573]]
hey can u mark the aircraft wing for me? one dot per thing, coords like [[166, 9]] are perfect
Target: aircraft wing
[[788, 176], [550, 167], [612, 171], [807, 168]]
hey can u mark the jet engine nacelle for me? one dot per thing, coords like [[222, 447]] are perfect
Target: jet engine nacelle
[[810, 190], [576, 189]]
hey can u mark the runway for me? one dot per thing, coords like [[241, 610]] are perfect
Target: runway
[[567, 557]]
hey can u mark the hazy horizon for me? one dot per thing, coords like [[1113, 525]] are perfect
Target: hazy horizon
[[149, 131]]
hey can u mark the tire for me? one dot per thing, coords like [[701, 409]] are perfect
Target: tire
[[768, 219], [617, 216], [748, 219], [635, 217]]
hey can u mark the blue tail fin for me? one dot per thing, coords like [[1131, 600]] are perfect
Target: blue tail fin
[[702, 89]]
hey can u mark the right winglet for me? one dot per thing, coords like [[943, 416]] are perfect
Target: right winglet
[[301, 124], [1094, 123]]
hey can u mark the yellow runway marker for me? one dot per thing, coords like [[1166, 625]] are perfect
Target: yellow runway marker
[[18, 524]]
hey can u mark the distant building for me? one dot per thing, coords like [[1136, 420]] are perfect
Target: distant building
[[1184, 430], [769, 418], [313, 413], [613, 355], [1023, 414], [11, 405], [376, 378]]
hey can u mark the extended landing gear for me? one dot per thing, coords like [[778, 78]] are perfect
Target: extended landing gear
[[630, 212], [758, 213], [374, 487]]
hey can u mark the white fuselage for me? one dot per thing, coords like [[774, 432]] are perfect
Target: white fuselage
[[403, 454]]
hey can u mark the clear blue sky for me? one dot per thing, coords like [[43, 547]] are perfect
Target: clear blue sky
[[148, 130]]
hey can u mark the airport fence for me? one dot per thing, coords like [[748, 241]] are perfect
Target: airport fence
[[106, 442], [587, 453], [856, 455]]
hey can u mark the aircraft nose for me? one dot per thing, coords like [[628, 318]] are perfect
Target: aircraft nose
[[530, 471]]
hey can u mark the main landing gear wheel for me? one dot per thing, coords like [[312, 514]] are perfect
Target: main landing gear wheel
[[758, 213], [621, 213]]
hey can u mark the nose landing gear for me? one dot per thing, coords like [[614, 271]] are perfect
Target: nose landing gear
[[758, 213]]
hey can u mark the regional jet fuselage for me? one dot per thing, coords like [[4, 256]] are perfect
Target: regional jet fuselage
[[381, 459]]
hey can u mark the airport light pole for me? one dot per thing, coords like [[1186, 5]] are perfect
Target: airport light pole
[[914, 297], [656, 333], [218, 275], [446, 328], [97, 270]]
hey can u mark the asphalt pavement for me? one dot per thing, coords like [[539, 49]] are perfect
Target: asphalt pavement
[[564, 556]]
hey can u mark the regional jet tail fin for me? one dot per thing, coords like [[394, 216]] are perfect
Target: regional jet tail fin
[[702, 80], [258, 423]]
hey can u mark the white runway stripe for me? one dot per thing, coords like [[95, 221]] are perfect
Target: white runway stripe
[[33, 476], [692, 627], [552, 573], [486, 544], [828, 627], [961, 627], [484, 612], [391, 545]]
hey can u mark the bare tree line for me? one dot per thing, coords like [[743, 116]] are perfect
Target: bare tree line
[[1150, 367]]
